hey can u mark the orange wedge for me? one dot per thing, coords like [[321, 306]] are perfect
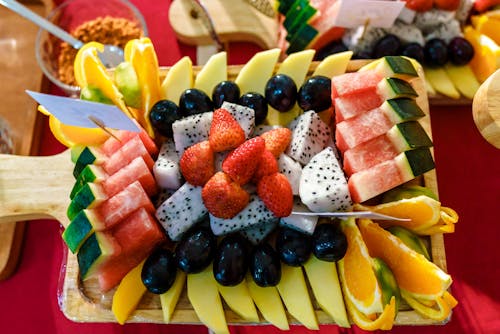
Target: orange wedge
[[413, 272], [362, 292], [141, 54], [423, 211], [90, 71], [70, 135], [484, 62], [439, 312]]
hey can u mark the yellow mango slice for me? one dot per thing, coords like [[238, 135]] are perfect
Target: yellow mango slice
[[463, 78], [141, 54], [170, 298], [296, 66], [255, 73], [90, 71], [203, 294], [441, 82], [325, 284], [334, 64], [239, 300], [269, 303], [179, 78], [293, 291], [213, 72], [128, 294]]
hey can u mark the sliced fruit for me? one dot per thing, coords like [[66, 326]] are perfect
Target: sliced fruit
[[141, 54], [407, 191], [170, 298], [128, 84], [334, 64], [204, 296], [213, 72], [440, 313], [463, 78], [484, 62], [269, 303], [90, 71], [419, 277], [441, 82], [179, 78], [488, 26], [293, 291], [410, 239], [423, 211], [356, 273], [295, 66], [70, 136], [89, 93], [128, 294], [387, 282], [384, 321], [239, 300], [254, 75], [324, 281]]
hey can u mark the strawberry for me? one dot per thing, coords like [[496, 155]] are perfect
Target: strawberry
[[276, 193], [420, 5], [197, 164], [447, 4], [267, 165], [277, 140], [223, 197], [225, 132], [241, 163]]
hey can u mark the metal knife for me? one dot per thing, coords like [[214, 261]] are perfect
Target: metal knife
[[355, 214]]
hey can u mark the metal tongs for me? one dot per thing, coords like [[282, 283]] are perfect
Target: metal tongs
[[355, 214]]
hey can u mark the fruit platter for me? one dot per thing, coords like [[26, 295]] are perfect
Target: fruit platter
[[214, 211], [456, 41]]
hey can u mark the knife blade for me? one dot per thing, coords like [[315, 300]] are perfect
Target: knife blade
[[355, 214], [262, 6]]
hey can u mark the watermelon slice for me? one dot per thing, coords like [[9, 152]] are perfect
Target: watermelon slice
[[112, 145], [401, 137], [373, 181], [129, 151], [351, 105], [354, 82], [137, 235], [137, 170], [118, 207]]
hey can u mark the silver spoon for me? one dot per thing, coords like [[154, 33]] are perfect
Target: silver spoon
[[112, 55]]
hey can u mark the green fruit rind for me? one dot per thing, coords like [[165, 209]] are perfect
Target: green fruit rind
[[94, 94], [410, 239], [387, 282], [408, 191], [128, 84]]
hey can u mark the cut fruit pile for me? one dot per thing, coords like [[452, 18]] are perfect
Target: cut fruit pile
[[457, 41], [225, 183]]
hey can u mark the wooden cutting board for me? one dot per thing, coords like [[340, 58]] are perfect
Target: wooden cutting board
[[39, 187]]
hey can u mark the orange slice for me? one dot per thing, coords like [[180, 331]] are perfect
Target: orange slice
[[440, 313], [70, 135], [484, 62], [90, 71], [384, 321], [141, 54], [413, 272], [423, 211], [359, 282]]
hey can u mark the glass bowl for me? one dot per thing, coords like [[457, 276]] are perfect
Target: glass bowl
[[108, 22]]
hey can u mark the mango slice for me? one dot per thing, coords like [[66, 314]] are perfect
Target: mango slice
[[170, 298], [335, 64], [269, 303], [293, 291], [463, 78], [213, 72], [178, 79], [203, 295], [255, 73], [325, 284], [128, 294], [441, 82], [239, 300]]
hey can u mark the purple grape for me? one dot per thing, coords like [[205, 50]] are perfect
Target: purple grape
[[413, 50], [386, 46], [435, 52], [460, 51]]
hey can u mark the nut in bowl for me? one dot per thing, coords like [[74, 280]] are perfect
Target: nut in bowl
[[113, 22]]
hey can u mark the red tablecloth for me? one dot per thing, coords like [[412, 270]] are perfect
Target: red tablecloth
[[468, 171]]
